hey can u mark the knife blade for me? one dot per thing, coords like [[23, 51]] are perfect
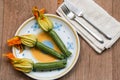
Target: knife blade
[[79, 13]]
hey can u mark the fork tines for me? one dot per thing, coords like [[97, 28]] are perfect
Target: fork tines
[[65, 9]]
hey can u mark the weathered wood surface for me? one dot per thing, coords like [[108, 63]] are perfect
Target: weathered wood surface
[[90, 65]]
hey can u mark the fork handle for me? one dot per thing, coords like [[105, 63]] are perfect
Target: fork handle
[[89, 31]]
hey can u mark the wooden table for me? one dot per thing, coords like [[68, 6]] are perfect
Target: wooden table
[[90, 65]]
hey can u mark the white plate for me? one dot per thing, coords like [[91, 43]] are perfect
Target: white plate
[[65, 32]]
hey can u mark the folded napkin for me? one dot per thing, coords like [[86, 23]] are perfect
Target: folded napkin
[[100, 18]]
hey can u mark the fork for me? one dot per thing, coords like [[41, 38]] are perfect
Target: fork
[[80, 14], [72, 16]]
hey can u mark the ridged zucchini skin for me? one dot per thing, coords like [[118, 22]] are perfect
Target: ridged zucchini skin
[[50, 66], [49, 50], [59, 43]]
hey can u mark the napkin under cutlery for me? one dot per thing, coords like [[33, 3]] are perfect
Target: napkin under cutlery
[[100, 18]]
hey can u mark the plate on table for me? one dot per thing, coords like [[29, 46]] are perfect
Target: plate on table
[[67, 34]]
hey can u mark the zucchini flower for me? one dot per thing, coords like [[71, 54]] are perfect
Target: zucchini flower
[[14, 41], [43, 21], [21, 64], [28, 40], [46, 24]]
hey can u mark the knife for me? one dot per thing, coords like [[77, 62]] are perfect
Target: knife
[[79, 13]]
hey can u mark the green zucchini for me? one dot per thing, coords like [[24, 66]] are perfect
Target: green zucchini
[[46, 24], [59, 43], [49, 66], [49, 50]]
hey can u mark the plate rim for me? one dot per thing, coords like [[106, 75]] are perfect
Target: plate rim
[[77, 40]]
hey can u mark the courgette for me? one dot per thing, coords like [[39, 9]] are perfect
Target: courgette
[[48, 50], [49, 66], [59, 43]]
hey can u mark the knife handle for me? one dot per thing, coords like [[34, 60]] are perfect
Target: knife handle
[[89, 31], [107, 36]]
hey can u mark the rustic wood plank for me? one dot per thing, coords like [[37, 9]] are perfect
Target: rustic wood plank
[[116, 48], [1, 27], [15, 13], [105, 4], [89, 66]]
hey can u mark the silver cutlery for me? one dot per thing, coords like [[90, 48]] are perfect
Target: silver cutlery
[[72, 16], [79, 13]]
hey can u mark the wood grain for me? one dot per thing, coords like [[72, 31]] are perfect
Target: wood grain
[[1, 27], [116, 48], [90, 65]]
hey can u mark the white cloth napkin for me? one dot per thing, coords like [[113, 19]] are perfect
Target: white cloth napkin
[[100, 18]]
